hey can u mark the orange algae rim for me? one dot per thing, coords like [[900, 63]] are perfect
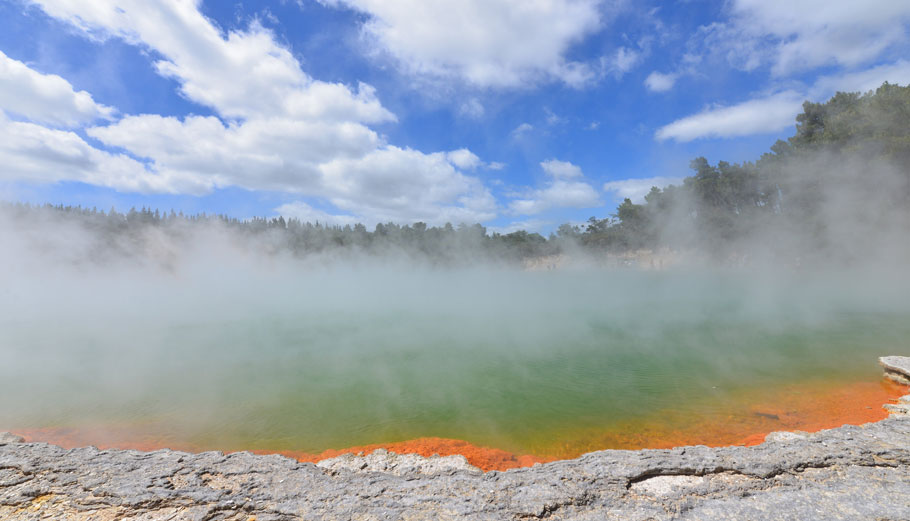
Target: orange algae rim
[[484, 458], [854, 404], [843, 406]]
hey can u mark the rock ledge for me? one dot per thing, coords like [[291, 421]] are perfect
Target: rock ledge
[[897, 368]]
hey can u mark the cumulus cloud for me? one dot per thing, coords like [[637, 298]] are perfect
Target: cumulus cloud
[[271, 154], [277, 128], [561, 169], [352, 169], [637, 189], [45, 98], [382, 184], [565, 188], [240, 74], [660, 82], [488, 43], [464, 159], [756, 116], [34, 153]]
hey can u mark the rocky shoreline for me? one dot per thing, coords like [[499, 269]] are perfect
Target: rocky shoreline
[[852, 472]]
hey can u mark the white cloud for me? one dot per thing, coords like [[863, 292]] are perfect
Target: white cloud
[[521, 130], [34, 153], [727, 42], [660, 82], [796, 36], [44, 98], [528, 225], [761, 115], [240, 74], [819, 32], [861, 81], [622, 61], [472, 108], [778, 111], [496, 165], [271, 154], [558, 194], [464, 159], [306, 213], [488, 43], [553, 118], [637, 189], [383, 185], [279, 129], [345, 164], [561, 169], [564, 189]]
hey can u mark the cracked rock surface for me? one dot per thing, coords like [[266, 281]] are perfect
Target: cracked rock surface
[[853, 472]]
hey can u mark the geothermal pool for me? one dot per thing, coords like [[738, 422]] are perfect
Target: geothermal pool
[[549, 364]]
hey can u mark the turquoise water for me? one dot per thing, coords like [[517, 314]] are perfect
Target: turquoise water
[[330, 358]]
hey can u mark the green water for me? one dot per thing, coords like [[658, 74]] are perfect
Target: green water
[[515, 360]]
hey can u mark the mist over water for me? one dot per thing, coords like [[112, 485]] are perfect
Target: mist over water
[[233, 350]]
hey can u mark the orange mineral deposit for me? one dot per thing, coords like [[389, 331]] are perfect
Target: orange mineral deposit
[[805, 407]]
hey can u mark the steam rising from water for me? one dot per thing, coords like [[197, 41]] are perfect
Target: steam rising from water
[[201, 338]]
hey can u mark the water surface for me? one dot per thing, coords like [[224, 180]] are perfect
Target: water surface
[[550, 363]]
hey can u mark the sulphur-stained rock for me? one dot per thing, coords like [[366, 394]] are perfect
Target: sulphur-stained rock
[[8, 437], [897, 408], [897, 368], [381, 460], [785, 436]]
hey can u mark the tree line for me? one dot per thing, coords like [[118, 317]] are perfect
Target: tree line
[[839, 186], [123, 231], [842, 179]]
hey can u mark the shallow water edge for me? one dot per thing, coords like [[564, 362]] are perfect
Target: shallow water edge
[[851, 472]]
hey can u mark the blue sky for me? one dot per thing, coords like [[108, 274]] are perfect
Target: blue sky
[[510, 113]]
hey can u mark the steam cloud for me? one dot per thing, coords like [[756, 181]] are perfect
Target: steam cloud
[[284, 335], [198, 331]]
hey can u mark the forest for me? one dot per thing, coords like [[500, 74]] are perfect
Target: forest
[[839, 188]]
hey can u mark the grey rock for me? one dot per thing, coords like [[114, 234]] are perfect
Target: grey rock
[[666, 485], [8, 437], [381, 460], [853, 472], [784, 436], [897, 408], [897, 368]]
